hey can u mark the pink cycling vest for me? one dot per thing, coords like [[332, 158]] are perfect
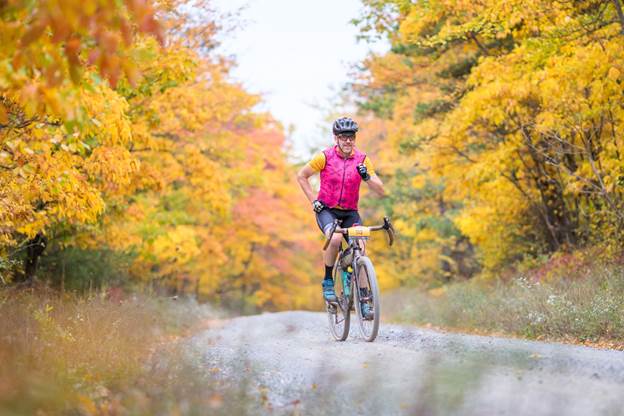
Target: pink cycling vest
[[340, 180]]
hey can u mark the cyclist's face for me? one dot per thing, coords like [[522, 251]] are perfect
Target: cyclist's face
[[345, 142]]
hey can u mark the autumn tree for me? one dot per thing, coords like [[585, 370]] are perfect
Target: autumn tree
[[64, 133], [511, 111], [122, 132]]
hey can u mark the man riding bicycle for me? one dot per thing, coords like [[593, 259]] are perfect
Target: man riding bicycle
[[342, 168]]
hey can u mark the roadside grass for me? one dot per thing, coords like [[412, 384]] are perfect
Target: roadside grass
[[96, 355], [587, 309]]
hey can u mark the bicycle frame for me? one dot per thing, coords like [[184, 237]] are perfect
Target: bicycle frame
[[361, 234], [358, 252]]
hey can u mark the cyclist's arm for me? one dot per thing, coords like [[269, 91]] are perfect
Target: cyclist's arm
[[374, 182], [376, 185], [302, 177]]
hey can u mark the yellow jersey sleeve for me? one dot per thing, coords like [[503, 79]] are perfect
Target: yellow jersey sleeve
[[369, 166], [318, 162]]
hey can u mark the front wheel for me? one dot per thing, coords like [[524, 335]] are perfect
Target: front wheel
[[339, 313], [367, 298]]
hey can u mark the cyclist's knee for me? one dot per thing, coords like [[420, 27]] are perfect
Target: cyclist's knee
[[336, 239]]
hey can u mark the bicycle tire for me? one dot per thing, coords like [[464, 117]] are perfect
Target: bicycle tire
[[340, 320], [369, 328]]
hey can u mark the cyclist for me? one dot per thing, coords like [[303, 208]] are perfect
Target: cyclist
[[342, 169]]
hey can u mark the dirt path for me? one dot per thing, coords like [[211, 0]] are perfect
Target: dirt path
[[290, 363]]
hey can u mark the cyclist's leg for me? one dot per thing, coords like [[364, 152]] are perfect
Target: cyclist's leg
[[325, 220]]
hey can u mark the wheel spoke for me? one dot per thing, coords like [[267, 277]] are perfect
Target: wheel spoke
[[339, 321], [367, 280]]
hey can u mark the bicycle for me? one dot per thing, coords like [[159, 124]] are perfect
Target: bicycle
[[356, 282]]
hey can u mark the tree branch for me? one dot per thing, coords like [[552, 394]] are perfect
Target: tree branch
[[618, 8], [481, 47]]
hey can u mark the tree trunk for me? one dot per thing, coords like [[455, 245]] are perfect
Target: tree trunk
[[62, 273], [36, 246]]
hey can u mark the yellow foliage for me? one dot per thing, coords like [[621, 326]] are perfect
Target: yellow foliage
[[167, 161], [508, 126], [177, 246]]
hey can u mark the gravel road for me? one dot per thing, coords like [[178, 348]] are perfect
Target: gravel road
[[289, 364]]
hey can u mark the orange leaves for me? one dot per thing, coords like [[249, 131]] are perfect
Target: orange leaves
[[144, 15], [390, 69], [113, 168], [58, 175], [105, 116], [99, 29], [4, 115], [36, 29], [168, 160], [54, 191]]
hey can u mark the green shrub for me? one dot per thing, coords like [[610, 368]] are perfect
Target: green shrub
[[81, 270], [589, 308]]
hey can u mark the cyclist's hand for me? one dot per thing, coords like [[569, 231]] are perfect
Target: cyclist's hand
[[318, 206], [361, 168]]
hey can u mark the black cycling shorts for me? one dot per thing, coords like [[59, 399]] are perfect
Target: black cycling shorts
[[326, 218]]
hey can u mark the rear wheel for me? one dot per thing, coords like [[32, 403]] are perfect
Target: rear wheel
[[367, 297], [338, 314]]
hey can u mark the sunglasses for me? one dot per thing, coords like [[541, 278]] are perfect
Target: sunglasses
[[345, 138]]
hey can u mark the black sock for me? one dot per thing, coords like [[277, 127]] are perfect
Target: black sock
[[328, 272]]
